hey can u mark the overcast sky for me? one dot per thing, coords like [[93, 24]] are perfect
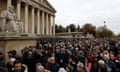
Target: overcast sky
[[88, 11]]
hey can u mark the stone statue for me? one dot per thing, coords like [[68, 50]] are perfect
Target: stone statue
[[10, 22]]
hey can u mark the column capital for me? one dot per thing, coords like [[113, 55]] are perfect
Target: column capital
[[26, 3], [42, 11], [33, 8], [52, 15]]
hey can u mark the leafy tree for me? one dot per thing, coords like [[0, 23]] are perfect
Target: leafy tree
[[59, 28], [78, 28], [103, 31], [72, 27], [88, 28], [117, 36]]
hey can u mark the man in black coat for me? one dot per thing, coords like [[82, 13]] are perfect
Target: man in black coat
[[52, 65]]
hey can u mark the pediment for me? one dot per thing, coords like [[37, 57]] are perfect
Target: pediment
[[46, 4]]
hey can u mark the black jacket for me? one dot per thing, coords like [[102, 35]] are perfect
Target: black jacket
[[53, 67]]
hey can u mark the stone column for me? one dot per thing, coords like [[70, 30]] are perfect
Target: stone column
[[50, 26], [18, 9], [43, 23], [26, 18], [53, 25], [33, 20], [38, 21], [47, 31], [9, 3]]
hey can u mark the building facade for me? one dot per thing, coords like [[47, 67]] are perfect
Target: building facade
[[38, 16]]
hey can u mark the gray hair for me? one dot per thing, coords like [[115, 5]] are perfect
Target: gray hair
[[40, 67], [80, 64], [62, 70]]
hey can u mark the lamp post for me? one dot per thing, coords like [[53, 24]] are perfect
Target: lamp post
[[105, 29]]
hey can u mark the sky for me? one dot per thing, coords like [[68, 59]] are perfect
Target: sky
[[80, 12]]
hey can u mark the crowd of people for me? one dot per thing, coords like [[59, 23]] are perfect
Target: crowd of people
[[65, 55]]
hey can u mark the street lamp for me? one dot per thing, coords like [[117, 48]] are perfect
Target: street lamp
[[105, 33]]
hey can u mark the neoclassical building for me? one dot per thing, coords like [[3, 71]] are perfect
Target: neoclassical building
[[38, 16]]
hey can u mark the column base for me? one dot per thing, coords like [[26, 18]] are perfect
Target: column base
[[9, 34]]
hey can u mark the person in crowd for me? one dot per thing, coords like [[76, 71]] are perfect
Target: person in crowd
[[80, 67], [2, 63], [111, 67], [62, 70], [12, 54], [68, 69], [18, 67], [94, 66], [101, 67], [88, 65], [116, 62], [80, 56], [64, 55], [10, 64], [62, 64], [2, 60], [71, 64], [118, 57], [29, 60], [3, 69], [39, 68], [52, 65]]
